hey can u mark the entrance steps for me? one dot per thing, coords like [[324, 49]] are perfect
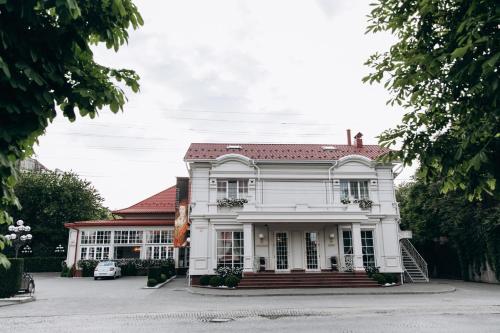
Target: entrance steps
[[306, 280]]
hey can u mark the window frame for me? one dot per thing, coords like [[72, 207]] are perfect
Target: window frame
[[237, 257], [360, 191], [241, 189]]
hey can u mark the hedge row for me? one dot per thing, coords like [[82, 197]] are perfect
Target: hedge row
[[11, 278], [159, 274], [130, 267], [43, 264]]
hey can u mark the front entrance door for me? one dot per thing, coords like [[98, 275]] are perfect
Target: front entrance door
[[312, 251], [281, 251]]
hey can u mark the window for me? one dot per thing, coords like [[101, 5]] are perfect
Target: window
[[160, 237], [354, 189], [103, 237], [128, 237], [94, 252], [367, 248], [347, 240], [232, 189], [159, 252], [230, 249], [88, 237]]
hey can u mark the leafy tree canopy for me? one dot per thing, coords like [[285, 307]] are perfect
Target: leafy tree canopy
[[473, 228], [50, 199], [444, 70], [46, 65]]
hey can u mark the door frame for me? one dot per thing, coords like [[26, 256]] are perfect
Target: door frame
[[287, 251], [304, 252]]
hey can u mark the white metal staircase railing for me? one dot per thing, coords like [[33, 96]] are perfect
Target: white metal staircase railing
[[414, 265]]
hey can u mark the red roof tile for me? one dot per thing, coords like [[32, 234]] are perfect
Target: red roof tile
[[119, 223], [276, 152], [163, 202]]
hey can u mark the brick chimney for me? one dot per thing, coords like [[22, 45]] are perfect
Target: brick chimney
[[359, 140], [349, 143]]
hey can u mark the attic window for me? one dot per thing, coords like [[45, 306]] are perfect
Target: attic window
[[233, 147], [329, 148]]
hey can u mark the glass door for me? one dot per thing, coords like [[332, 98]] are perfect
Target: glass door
[[281, 242], [312, 251]]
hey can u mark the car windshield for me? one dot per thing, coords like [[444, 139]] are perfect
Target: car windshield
[[106, 263]]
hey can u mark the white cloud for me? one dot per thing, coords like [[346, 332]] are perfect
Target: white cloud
[[253, 71]]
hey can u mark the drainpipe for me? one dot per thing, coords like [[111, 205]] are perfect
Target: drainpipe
[[76, 246], [258, 176], [334, 164]]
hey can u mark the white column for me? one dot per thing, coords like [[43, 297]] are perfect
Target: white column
[[356, 247], [248, 247]]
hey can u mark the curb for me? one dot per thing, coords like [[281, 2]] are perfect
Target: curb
[[159, 285], [16, 300], [447, 290]]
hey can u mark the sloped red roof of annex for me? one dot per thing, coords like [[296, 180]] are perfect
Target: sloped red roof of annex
[[120, 223], [162, 202], [276, 152]]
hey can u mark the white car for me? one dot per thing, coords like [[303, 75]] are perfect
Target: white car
[[107, 269]]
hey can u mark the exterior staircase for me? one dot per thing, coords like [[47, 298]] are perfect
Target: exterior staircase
[[415, 267], [306, 280]]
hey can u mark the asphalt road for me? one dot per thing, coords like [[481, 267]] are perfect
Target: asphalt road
[[85, 305]]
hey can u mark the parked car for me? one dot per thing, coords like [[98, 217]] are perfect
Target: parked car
[[27, 284], [107, 269]]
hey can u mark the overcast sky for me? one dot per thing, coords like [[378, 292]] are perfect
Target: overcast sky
[[225, 71]]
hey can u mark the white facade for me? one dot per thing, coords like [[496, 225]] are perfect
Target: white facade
[[294, 218]]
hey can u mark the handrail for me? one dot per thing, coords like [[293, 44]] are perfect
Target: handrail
[[415, 256]]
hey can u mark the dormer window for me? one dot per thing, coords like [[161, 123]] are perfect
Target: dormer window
[[232, 188], [354, 189]]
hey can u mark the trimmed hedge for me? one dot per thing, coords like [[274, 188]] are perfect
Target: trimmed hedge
[[152, 282], [231, 281], [11, 278], [205, 280], [43, 264], [154, 273], [216, 281]]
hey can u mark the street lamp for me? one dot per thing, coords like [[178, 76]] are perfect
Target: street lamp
[[19, 235], [59, 249]]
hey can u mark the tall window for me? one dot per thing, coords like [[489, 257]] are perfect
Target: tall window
[[232, 189], [96, 237], [159, 237], [354, 189], [162, 248], [230, 248], [347, 240], [128, 237], [367, 248], [94, 252], [159, 252]]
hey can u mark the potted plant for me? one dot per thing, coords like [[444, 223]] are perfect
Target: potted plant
[[226, 202]]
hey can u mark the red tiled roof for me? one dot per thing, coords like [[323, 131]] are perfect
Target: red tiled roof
[[119, 223], [300, 152], [163, 202]]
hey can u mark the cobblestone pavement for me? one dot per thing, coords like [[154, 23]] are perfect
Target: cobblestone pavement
[[85, 305]]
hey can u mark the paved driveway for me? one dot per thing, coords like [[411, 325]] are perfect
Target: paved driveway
[[85, 305]]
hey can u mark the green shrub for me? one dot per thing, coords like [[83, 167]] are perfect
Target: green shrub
[[11, 278], [152, 282], [128, 269], [43, 264], [88, 267], [389, 278], [163, 278], [380, 278], [154, 273], [65, 272], [231, 281], [205, 280], [216, 281], [168, 268]]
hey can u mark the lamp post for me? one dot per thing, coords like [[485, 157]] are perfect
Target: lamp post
[[19, 235], [59, 249]]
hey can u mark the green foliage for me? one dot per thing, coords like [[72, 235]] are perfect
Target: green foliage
[[380, 278], [128, 269], [43, 264], [216, 281], [47, 67], [152, 282], [168, 268], [444, 71], [50, 199], [66, 271], [231, 281], [472, 228], [205, 280], [88, 267], [154, 273], [370, 270], [11, 278], [224, 271], [163, 278]]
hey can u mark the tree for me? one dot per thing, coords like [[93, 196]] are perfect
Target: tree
[[47, 67], [472, 228], [444, 70], [50, 199]]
